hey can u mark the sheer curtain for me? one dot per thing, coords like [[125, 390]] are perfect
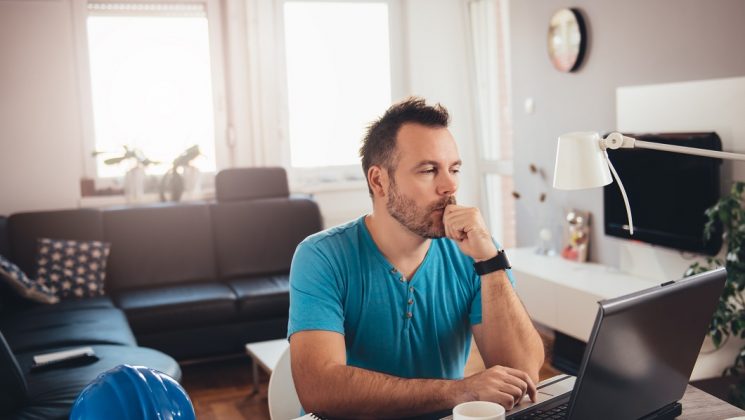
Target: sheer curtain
[[489, 34]]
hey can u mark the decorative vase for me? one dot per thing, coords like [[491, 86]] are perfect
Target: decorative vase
[[134, 184], [171, 186], [192, 185], [549, 233]]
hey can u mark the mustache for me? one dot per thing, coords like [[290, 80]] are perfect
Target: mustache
[[440, 205]]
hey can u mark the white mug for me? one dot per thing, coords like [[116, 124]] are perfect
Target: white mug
[[478, 410]]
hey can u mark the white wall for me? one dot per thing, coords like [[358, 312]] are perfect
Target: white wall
[[709, 105], [41, 154], [633, 42], [40, 129]]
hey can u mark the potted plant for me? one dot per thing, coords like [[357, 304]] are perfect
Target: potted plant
[[134, 178], [728, 216], [548, 229], [182, 176]]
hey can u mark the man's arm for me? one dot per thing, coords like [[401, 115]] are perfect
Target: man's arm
[[327, 386], [506, 335]]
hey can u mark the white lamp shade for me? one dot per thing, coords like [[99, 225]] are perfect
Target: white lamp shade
[[580, 162]]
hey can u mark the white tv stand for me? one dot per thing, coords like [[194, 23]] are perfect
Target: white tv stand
[[563, 295]]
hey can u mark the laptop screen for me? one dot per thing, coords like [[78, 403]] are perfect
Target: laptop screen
[[643, 348]]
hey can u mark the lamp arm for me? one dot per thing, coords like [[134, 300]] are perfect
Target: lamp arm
[[689, 150], [623, 193], [617, 140]]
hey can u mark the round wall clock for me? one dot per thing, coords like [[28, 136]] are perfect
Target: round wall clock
[[567, 40]]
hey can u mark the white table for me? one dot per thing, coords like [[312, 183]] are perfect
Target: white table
[[265, 354]]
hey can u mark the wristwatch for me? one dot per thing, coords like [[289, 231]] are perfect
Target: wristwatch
[[499, 262]]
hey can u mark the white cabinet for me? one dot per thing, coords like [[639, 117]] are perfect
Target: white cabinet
[[562, 294]]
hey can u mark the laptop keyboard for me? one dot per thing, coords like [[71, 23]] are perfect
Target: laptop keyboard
[[559, 412]]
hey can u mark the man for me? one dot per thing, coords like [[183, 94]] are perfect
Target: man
[[383, 307]]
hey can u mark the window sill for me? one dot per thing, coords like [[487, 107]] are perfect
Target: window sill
[[150, 198], [334, 186]]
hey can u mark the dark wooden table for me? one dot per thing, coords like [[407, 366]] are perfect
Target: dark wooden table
[[698, 404]]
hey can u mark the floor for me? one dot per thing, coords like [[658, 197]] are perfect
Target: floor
[[222, 389]]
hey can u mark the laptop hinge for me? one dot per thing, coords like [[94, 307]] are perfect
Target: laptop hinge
[[670, 411]]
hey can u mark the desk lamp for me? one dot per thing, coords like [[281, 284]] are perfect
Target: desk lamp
[[582, 160]]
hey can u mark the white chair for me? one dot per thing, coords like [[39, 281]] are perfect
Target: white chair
[[283, 401]]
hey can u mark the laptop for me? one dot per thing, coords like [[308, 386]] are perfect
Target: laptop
[[639, 357]]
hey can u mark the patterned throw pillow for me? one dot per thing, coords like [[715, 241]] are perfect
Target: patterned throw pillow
[[72, 269], [17, 279]]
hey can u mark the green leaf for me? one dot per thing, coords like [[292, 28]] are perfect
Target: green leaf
[[113, 161], [727, 216], [716, 338]]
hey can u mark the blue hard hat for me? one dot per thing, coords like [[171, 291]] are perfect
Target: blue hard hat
[[133, 393]]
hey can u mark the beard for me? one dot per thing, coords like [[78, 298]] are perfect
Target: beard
[[423, 221]]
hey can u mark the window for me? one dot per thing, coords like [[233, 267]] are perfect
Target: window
[[488, 35], [152, 84], [339, 77]]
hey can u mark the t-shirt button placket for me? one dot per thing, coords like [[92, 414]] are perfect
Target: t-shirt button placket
[[409, 313]]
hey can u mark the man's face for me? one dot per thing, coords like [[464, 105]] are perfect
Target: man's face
[[424, 180]]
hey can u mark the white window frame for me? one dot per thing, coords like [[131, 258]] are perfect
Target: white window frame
[[503, 166], [342, 177], [82, 59]]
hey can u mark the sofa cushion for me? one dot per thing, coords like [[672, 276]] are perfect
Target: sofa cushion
[[52, 392], [12, 382], [177, 306], [35, 329], [98, 302], [259, 237], [262, 297], [25, 228], [19, 282], [72, 269], [239, 184], [159, 245]]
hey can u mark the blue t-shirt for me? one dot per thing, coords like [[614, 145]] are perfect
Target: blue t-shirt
[[416, 328]]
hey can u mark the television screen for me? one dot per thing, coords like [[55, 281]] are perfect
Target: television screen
[[668, 193]]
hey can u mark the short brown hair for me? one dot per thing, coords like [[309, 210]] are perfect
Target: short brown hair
[[379, 144]]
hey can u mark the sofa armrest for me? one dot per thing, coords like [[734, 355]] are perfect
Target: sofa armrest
[[13, 388]]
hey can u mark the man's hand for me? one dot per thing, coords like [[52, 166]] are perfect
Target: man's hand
[[467, 228], [502, 385]]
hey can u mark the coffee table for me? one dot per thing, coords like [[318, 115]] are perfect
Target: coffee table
[[265, 354]]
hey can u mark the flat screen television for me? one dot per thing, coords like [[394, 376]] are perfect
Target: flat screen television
[[668, 193]]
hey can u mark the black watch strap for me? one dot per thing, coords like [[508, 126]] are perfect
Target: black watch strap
[[499, 262]]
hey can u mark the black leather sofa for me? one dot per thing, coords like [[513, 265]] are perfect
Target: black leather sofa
[[189, 280]]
